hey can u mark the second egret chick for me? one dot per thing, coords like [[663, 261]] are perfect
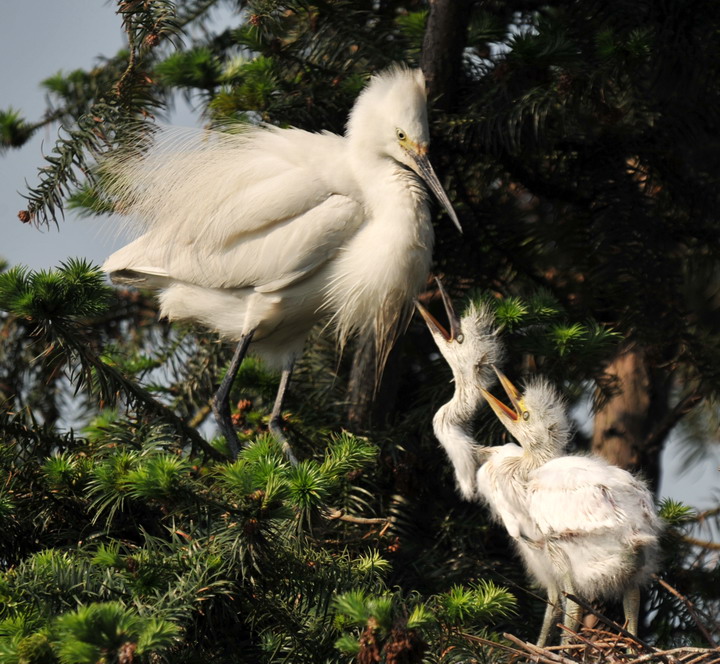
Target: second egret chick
[[582, 525], [471, 348]]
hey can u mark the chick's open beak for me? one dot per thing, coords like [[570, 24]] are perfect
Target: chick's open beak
[[500, 409], [426, 172], [455, 332]]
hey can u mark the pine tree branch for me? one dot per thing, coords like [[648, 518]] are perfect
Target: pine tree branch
[[690, 607], [145, 399], [656, 437], [103, 121]]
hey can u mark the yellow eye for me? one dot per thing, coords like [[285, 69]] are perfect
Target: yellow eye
[[401, 135], [526, 415]]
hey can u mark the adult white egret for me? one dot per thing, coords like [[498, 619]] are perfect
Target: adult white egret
[[471, 347], [583, 526], [260, 234]]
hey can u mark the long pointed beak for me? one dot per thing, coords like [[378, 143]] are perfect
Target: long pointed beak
[[455, 332], [425, 170], [500, 409]]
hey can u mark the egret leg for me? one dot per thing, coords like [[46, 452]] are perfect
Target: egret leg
[[631, 607], [552, 614], [573, 613], [221, 400], [275, 424]]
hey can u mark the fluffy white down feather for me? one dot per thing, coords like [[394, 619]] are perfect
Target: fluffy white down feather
[[471, 359], [272, 229], [580, 524], [591, 522], [599, 517], [502, 485]]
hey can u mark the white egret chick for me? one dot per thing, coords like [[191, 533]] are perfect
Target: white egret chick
[[471, 348], [260, 234], [582, 525]]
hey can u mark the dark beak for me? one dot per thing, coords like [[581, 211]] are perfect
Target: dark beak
[[455, 332], [500, 409], [426, 172]]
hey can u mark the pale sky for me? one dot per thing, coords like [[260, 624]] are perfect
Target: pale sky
[[42, 37]]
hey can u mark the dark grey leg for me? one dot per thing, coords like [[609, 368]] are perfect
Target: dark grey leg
[[275, 424], [221, 400]]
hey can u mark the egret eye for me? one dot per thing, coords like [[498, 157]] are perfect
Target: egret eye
[[460, 338], [526, 415], [401, 135]]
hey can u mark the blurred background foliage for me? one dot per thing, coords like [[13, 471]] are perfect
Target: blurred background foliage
[[579, 145]]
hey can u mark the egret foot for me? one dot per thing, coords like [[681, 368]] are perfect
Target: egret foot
[[221, 400]]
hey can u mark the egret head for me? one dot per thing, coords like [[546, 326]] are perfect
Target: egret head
[[536, 417], [390, 117], [470, 344]]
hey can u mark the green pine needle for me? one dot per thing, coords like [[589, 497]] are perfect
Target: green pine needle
[[675, 513]]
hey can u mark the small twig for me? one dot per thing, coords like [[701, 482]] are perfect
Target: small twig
[[711, 512], [650, 656], [702, 658], [338, 515], [676, 651], [713, 546], [540, 654], [607, 621], [581, 638], [691, 609], [491, 644], [200, 416], [614, 636]]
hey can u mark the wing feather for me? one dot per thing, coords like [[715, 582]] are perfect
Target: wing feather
[[215, 185], [266, 260], [581, 495], [222, 210]]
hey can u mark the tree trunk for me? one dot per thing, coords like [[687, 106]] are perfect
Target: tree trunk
[[626, 429], [443, 45], [620, 426]]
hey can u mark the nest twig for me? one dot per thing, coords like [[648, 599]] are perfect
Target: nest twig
[[611, 644], [604, 647]]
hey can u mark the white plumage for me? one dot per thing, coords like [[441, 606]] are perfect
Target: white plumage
[[581, 525], [586, 527], [261, 233], [471, 347]]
